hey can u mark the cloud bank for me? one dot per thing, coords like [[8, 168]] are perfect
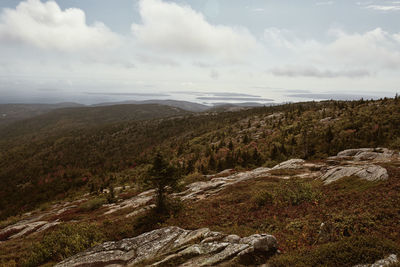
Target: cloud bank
[[310, 71], [349, 55], [169, 27], [46, 26]]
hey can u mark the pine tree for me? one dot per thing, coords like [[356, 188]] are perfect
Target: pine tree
[[161, 175], [212, 164], [274, 152], [246, 139], [230, 146], [328, 138]]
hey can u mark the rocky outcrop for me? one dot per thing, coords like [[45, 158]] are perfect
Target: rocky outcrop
[[138, 201], [173, 246], [37, 222], [367, 172], [290, 164], [389, 260], [352, 162], [367, 154], [201, 190]]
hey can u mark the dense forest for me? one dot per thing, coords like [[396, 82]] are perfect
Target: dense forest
[[50, 156]]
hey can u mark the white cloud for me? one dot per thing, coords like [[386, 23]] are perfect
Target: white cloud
[[376, 48], [169, 27], [46, 26], [384, 7], [374, 51], [311, 71], [283, 38]]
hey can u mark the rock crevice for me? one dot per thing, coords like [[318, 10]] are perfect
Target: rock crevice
[[174, 246]]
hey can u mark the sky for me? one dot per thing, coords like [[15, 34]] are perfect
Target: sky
[[205, 51]]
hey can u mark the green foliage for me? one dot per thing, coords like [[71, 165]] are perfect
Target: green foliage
[[93, 204], [193, 177], [65, 241], [54, 155], [262, 198], [154, 219], [346, 252], [353, 184], [291, 192], [10, 220], [10, 263], [161, 175], [295, 192]]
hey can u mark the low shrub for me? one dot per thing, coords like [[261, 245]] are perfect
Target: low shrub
[[291, 192], [93, 204], [10, 220], [10, 263], [346, 252], [295, 192], [154, 218], [262, 198], [65, 241], [193, 177], [353, 184]]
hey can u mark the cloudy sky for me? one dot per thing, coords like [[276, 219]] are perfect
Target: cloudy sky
[[199, 50]]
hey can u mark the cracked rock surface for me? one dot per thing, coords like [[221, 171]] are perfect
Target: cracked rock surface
[[368, 172], [173, 246]]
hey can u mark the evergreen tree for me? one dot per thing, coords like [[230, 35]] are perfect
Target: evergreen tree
[[212, 164], [230, 146], [329, 138], [274, 152], [161, 175], [246, 139]]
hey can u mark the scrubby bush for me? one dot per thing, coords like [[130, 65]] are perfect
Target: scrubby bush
[[346, 252], [292, 192], [295, 192], [193, 177], [65, 241], [153, 219], [262, 198], [93, 204]]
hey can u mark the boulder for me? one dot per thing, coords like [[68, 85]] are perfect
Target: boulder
[[173, 246], [368, 172]]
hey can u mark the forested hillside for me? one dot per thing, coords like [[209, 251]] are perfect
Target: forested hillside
[[85, 149], [10, 113]]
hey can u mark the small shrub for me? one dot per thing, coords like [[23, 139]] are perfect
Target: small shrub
[[154, 219], [353, 184], [346, 252], [9, 221], [295, 192], [93, 204], [66, 240], [193, 177], [270, 163], [262, 198], [44, 206], [10, 263]]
